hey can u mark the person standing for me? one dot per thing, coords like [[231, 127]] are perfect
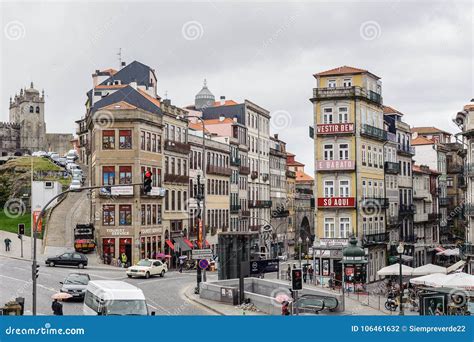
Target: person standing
[[310, 272], [284, 308], [288, 272], [124, 260], [57, 308], [305, 274], [7, 244], [181, 263]]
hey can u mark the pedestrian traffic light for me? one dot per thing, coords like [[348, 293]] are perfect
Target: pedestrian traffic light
[[37, 270], [21, 229], [296, 279], [147, 181]]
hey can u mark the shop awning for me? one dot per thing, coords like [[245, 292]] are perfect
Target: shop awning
[[207, 245], [181, 245], [439, 249], [456, 266], [170, 244], [189, 243]]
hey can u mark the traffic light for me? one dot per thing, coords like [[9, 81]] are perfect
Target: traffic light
[[296, 279], [21, 229], [36, 271], [147, 181]]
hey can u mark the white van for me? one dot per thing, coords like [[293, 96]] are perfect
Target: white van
[[113, 297]]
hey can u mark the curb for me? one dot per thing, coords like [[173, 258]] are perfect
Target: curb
[[202, 304]]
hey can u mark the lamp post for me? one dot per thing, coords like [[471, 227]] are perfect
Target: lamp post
[[400, 250], [307, 248], [300, 242]]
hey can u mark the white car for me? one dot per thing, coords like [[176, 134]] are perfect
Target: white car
[[147, 268], [72, 166], [75, 184]]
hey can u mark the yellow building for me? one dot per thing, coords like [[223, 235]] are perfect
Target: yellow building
[[349, 139]]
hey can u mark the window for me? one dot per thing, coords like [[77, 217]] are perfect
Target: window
[[327, 116], [329, 227], [344, 227], [125, 175], [153, 143], [31, 109], [173, 200], [449, 181], [347, 82], [142, 140], [108, 175], [108, 215], [343, 115], [328, 152], [343, 151], [369, 155], [332, 83], [125, 215], [37, 110], [328, 188], [108, 139], [125, 139], [364, 156], [148, 141], [343, 188]]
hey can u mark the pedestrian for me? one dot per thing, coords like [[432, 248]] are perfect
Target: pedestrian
[[57, 308], [288, 272], [284, 308], [7, 244], [305, 274], [311, 273], [124, 260], [181, 264]]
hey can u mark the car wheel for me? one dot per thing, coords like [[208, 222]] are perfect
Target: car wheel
[[128, 275], [147, 275], [81, 265], [51, 264], [162, 274]]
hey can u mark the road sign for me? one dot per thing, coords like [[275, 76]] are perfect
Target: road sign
[[202, 254], [203, 264], [264, 266], [36, 214]]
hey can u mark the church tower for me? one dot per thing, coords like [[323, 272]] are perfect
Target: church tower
[[27, 110]]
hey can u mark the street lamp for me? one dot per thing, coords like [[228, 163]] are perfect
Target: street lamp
[[400, 250], [307, 248], [300, 242]]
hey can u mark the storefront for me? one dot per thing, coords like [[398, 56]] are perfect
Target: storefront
[[115, 242], [327, 259]]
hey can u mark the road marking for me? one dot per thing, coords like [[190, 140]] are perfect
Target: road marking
[[103, 277], [160, 279], [30, 283], [158, 307]]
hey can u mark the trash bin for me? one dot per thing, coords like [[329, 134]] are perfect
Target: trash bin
[[11, 309], [230, 295]]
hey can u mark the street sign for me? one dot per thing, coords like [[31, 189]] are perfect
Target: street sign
[[202, 254], [36, 214], [264, 266], [203, 264]]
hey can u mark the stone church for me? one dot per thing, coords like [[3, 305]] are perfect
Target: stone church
[[26, 131]]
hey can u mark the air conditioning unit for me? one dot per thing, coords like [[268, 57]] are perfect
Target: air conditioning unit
[[48, 185]]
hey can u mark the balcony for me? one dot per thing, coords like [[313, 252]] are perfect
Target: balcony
[[469, 209], [335, 128], [254, 228], [444, 201], [218, 170], [392, 137], [254, 175], [453, 167], [392, 168], [335, 165], [470, 169], [346, 92], [467, 249], [407, 209], [260, 204], [406, 150], [392, 221], [373, 132], [234, 161], [179, 179], [444, 228], [245, 213], [264, 177], [409, 238], [290, 174], [234, 208], [371, 239], [176, 146], [434, 216], [374, 203], [279, 213], [336, 202], [244, 170]]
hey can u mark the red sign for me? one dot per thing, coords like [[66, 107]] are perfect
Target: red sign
[[339, 202], [335, 128], [335, 165], [200, 232], [349, 271], [35, 219]]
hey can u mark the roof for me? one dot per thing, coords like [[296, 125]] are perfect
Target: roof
[[218, 121], [418, 169], [294, 163], [391, 110], [226, 103], [111, 86], [343, 70], [131, 96], [422, 141], [303, 177], [428, 130], [133, 72]]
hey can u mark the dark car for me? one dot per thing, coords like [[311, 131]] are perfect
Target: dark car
[[75, 284], [68, 259]]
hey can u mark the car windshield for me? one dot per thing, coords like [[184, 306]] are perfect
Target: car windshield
[[126, 307], [144, 263], [75, 182], [77, 279]]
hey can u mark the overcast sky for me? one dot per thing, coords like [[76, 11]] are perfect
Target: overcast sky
[[262, 51]]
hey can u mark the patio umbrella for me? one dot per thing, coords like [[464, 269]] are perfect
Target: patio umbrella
[[167, 256], [183, 257], [428, 269], [459, 280], [429, 280], [61, 296], [395, 270], [160, 255], [449, 252], [283, 298]]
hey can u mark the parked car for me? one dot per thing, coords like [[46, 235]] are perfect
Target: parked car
[[68, 259], [283, 257], [72, 166], [75, 284], [147, 268], [75, 184], [61, 161], [54, 156]]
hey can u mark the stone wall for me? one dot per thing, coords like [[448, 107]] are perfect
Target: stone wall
[[9, 138], [59, 142]]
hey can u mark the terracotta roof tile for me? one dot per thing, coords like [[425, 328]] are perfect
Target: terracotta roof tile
[[218, 121], [343, 70], [112, 86], [422, 141], [428, 130], [150, 98], [226, 103], [303, 177], [391, 110]]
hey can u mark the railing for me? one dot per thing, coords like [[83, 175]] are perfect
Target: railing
[[444, 201], [244, 170], [392, 220], [260, 204], [470, 169], [290, 174], [407, 209], [254, 228], [176, 146], [343, 92], [434, 216], [444, 228], [234, 161], [409, 238], [391, 167], [218, 170], [391, 137], [278, 213], [373, 132], [171, 178], [245, 213], [375, 202], [409, 150], [469, 209], [375, 238], [234, 208], [467, 249]]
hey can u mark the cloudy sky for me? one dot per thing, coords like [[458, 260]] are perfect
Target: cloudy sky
[[262, 51]]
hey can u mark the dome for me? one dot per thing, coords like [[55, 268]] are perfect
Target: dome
[[31, 89], [204, 98], [353, 251]]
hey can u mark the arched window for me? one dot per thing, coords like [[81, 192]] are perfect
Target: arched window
[[37, 109], [31, 109]]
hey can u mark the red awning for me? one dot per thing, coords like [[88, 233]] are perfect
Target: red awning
[[207, 244], [439, 249], [189, 243], [170, 244]]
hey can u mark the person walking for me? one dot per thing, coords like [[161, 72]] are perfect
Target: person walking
[[284, 308], [7, 244], [288, 272], [181, 264], [124, 259], [305, 274], [311, 273], [57, 308]]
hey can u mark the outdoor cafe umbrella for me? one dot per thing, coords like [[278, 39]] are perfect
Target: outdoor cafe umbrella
[[183, 257], [429, 280], [394, 270], [61, 296], [459, 280], [428, 269]]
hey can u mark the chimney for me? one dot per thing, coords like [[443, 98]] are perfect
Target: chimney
[[222, 100], [221, 118], [123, 64], [275, 136], [167, 102], [133, 85]]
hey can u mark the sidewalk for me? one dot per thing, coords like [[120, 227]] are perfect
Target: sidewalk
[[15, 246]]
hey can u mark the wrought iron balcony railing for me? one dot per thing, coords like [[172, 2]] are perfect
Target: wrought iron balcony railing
[[218, 170], [176, 146], [378, 238], [373, 132], [391, 167], [260, 204]]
